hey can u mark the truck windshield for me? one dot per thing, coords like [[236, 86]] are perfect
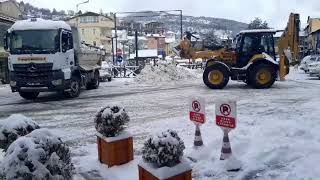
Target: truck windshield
[[34, 41]]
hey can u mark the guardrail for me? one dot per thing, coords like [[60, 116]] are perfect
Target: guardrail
[[125, 71]]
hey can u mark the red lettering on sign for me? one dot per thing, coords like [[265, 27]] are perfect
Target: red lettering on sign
[[227, 122], [197, 117]]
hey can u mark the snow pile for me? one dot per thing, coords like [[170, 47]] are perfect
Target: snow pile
[[39, 155], [233, 164], [14, 127], [163, 149], [166, 73], [111, 121]]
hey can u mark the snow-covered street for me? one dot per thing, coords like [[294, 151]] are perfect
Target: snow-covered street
[[277, 135]]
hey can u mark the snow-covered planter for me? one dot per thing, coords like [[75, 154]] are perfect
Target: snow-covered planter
[[38, 155], [115, 147], [14, 127], [162, 157]]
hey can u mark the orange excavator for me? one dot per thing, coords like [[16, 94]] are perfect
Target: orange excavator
[[252, 60]]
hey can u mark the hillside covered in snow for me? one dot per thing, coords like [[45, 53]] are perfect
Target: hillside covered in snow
[[201, 25]]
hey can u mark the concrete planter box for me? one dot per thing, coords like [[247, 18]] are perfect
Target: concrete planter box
[[116, 150], [182, 171]]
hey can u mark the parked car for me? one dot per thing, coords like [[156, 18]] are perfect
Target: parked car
[[305, 62], [106, 72], [314, 68]]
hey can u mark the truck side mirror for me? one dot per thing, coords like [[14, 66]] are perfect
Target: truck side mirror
[[6, 44], [64, 42]]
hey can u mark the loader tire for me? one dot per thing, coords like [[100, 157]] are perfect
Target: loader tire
[[216, 76], [262, 76]]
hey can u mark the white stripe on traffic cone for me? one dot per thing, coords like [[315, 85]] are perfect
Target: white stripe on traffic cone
[[197, 137], [226, 151]]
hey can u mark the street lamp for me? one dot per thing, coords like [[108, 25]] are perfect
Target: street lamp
[[80, 4]]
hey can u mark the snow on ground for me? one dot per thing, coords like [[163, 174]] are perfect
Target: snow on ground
[[167, 73], [3, 86], [277, 135]]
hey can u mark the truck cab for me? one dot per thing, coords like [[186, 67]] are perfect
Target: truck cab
[[45, 56]]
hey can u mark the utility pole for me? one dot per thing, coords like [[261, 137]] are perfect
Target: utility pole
[[181, 26], [115, 30], [136, 42], [112, 48]]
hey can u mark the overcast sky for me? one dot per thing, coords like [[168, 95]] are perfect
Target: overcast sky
[[275, 12]]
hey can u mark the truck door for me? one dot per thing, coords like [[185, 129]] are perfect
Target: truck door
[[67, 47]]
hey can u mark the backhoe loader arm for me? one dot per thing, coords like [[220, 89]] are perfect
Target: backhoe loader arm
[[288, 45]]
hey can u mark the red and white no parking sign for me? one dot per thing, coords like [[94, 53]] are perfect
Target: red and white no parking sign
[[226, 115], [197, 110]]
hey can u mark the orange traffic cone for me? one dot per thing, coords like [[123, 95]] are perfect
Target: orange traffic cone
[[197, 137], [226, 147]]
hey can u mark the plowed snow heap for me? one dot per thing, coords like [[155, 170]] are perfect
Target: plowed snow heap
[[166, 73]]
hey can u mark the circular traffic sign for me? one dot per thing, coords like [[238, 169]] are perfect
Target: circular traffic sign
[[225, 109], [196, 106]]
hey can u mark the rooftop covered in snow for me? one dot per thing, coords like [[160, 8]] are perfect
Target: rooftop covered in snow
[[146, 53], [259, 31]]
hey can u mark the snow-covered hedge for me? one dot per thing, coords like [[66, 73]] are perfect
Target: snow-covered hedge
[[111, 121], [163, 149], [38, 155], [14, 127]]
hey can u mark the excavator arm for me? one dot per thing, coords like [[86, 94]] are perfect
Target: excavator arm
[[288, 45]]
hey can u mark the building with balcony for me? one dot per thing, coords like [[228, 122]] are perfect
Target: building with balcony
[[94, 29], [312, 32]]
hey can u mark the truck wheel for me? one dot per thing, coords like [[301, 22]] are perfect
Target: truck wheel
[[94, 84], [109, 79], [262, 76], [29, 95], [216, 76], [74, 88]]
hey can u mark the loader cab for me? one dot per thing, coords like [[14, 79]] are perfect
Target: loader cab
[[254, 42]]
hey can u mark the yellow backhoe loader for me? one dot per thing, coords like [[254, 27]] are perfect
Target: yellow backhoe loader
[[252, 60]]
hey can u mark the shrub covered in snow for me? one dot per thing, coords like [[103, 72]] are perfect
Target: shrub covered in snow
[[163, 149], [38, 155], [111, 121], [14, 127]]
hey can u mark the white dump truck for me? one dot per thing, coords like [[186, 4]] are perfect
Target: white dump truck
[[48, 55]]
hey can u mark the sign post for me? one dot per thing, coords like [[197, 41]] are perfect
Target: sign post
[[198, 116], [226, 119]]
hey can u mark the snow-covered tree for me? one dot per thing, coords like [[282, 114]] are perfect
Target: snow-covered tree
[[71, 13], [14, 127], [110, 121], [39, 155], [163, 149], [211, 41], [258, 24]]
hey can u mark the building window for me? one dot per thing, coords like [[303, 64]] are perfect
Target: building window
[[94, 43], [94, 31], [82, 31], [89, 19]]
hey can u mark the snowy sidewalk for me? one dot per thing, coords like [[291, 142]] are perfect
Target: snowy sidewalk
[[277, 135]]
